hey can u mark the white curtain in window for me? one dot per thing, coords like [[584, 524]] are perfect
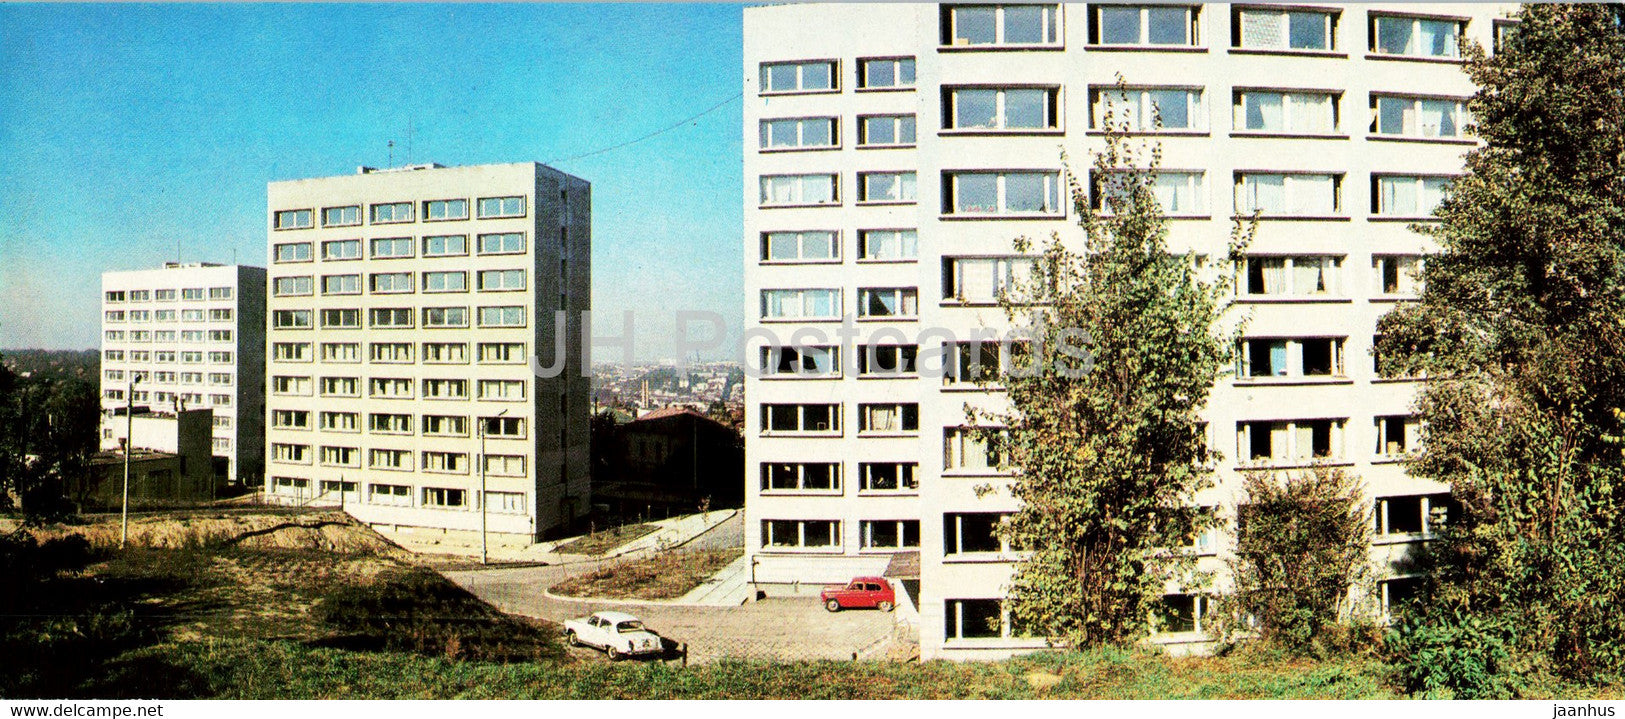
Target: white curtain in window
[[1304, 444], [1438, 118], [1311, 194], [1397, 196], [1311, 113], [1263, 192], [1263, 28], [1262, 111], [817, 188], [1437, 38]]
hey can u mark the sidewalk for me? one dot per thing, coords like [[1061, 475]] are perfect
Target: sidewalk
[[672, 532]]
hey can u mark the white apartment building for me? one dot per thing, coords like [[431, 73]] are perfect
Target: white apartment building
[[893, 151], [406, 307], [194, 335]]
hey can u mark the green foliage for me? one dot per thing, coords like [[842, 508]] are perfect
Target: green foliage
[[1454, 655], [1106, 436], [48, 431], [1521, 328], [1302, 543], [416, 610]]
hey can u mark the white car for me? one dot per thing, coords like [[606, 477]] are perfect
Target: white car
[[617, 633]]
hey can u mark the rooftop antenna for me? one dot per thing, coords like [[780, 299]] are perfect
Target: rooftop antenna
[[409, 129], [391, 154]]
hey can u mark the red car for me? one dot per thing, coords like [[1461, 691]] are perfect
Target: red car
[[861, 592]]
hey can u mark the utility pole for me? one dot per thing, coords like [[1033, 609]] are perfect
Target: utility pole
[[129, 446], [485, 557]]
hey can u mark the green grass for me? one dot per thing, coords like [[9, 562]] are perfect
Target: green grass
[[600, 542]]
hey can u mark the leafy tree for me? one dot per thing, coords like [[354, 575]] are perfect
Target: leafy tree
[[1521, 330], [1105, 437], [1302, 542]]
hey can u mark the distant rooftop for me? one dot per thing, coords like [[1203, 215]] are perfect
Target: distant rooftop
[[174, 265], [364, 170]]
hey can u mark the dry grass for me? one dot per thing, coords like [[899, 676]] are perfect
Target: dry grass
[[599, 543], [667, 575], [325, 532]]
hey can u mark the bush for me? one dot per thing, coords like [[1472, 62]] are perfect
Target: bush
[[1453, 654]]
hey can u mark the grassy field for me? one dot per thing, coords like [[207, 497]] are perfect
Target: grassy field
[[667, 575], [600, 542], [316, 607]]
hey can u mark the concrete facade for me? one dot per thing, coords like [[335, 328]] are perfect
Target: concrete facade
[[406, 307], [195, 335], [889, 164]]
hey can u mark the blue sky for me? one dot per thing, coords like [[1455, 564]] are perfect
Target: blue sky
[[127, 128]]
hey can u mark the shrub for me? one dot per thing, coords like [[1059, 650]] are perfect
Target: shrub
[[1453, 653]]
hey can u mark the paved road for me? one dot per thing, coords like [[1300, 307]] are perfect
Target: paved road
[[768, 629]]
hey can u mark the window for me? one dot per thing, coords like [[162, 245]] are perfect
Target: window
[[141, 295], [978, 362], [341, 250], [801, 361], [394, 495], [445, 389], [294, 453], [288, 286], [220, 357], [994, 108], [1001, 193], [1314, 275], [809, 246], [445, 282], [293, 219], [799, 133], [340, 457], [1397, 274], [808, 534], [290, 319], [1413, 514], [445, 353], [888, 245], [391, 352], [501, 352], [386, 213], [1415, 37], [972, 25], [502, 390], [505, 465], [339, 421], [351, 490], [1418, 117], [899, 477], [388, 317], [886, 73], [972, 449], [341, 284], [896, 302], [445, 425], [295, 386], [290, 351], [1406, 196], [502, 317], [1294, 442], [112, 316], [169, 295], [391, 459], [445, 245], [888, 418], [799, 190], [887, 360], [389, 423], [291, 252], [341, 319], [971, 533], [1270, 29], [220, 315], [445, 317], [1305, 357], [510, 427], [982, 280], [117, 296], [1154, 25], [341, 387], [502, 207], [974, 619], [500, 280], [341, 216], [883, 534], [886, 187], [448, 462], [801, 418], [801, 304], [505, 243], [816, 76], [385, 248], [1398, 436], [1178, 193], [1147, 109], [1180, 613], [885, 130], [1301, 195], [219, 293], [341, 352], [434, 210], [390, 282], [1285, 113]]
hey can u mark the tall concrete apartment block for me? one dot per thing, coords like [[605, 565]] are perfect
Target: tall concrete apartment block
[[892, 152], [194, 334], [406, 306]]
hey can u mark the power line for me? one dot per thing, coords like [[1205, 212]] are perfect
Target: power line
[[661, 131]]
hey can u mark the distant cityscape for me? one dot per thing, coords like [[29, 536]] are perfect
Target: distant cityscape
[[647, 386]]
